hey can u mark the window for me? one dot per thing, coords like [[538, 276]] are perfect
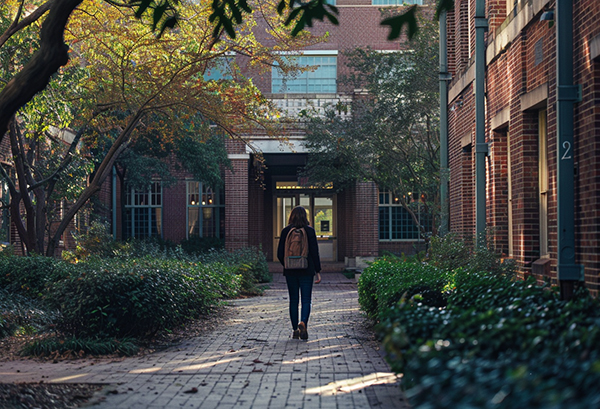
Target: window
[[219, 69], [323, 79], [395, 222], [543, 182], [205, 210], [395, 2], [143, 212]]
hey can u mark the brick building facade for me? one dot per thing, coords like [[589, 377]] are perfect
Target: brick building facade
[[251, 211], [521, 131]]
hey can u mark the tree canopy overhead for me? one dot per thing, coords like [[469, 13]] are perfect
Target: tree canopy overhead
[[125, 90], [225, 16]]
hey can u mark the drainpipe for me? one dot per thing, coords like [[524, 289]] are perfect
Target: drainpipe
[[481, 147], [568, 94], [445, 77]]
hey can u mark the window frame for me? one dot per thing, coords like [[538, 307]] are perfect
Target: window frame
[[218, 206], [387, 203], [134, 202], [280, 83]]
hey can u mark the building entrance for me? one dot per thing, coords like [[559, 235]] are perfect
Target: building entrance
[[321, 209]]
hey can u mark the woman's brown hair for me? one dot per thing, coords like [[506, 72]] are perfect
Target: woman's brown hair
[[298, 217]]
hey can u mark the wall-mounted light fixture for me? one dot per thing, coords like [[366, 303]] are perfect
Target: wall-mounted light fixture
[[548, 15]]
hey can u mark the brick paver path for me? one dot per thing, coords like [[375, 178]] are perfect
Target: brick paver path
[[249, 361]]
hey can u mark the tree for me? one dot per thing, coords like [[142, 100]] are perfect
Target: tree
[[391, 136], [53, 52], [133, 84]]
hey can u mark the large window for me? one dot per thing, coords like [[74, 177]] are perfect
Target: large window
[[395, 222], [206, 211], [143, 212], [322, 78], [395, 2]]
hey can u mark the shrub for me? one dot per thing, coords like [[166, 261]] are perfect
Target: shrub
[[30, 275], [80, 346], [450, 253], [23, 314], [201, 245], [250, 263], [138, 297], [96, 241], [388, 279], [499, 343]]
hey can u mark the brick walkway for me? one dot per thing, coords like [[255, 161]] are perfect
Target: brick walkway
[[250, 361]]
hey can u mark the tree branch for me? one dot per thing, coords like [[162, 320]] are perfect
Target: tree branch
[[19, 25], [35, 75]]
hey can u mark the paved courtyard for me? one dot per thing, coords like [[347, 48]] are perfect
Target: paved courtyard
[[249, 361]]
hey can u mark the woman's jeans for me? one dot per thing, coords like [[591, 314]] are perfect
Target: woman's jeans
[[300, 289]]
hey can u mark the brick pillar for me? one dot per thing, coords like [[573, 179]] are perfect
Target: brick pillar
[[236, 202], [367, 220]]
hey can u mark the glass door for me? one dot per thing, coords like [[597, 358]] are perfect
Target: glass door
[[321, 215], [324, 224]]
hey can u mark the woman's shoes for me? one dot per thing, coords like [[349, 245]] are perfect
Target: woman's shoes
[[296, 334], [303, 331]]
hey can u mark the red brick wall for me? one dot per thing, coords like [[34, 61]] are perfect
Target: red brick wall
[[366, 219], [461, 118], [345, 229], [174, 211], [525, 64], [358, 221], [359, 27], [498, 189], [237, 205], [587, 142]]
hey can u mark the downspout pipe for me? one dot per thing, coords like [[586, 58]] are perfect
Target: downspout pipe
[[445, 77], [481, 147], [568, 94]]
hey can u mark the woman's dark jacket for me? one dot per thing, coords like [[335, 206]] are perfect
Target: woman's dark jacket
[[314, 262]]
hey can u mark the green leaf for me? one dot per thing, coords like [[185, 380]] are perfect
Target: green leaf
[[281, 7], [397, 22], [159, 12]]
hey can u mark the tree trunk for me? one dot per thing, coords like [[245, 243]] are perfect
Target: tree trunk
[[35, 75], [99, 177]]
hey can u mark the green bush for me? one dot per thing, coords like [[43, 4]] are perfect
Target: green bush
[[387, 280], [499, 343], [138, 297], [21, 314], [109, 289], [450, 253], [250, 263], [201, 245], [485, 339], [80, 346], [30, 275]]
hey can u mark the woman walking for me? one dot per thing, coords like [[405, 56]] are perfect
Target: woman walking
[[300, 280]]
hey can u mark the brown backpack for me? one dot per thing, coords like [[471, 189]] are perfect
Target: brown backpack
[[296, 249]]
